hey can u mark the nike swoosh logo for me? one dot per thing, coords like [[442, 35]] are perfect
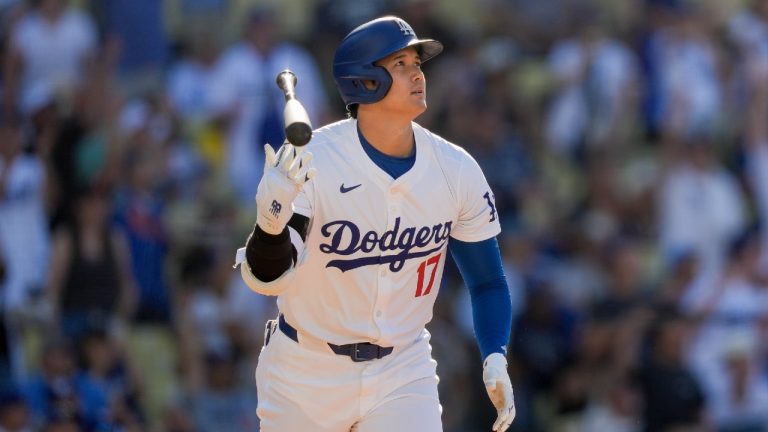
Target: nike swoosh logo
[[343, 189]]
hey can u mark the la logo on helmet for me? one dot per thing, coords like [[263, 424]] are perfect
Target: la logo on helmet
[[405, 28]]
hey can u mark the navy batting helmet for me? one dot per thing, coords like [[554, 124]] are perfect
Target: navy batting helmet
[[368, 43]]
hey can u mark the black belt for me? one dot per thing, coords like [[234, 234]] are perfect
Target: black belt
[[358, 352]]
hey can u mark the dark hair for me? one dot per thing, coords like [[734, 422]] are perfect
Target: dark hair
[[352, 111]]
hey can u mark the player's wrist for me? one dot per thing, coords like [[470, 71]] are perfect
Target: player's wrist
[[495, 360], [272, 217], [269, 227]]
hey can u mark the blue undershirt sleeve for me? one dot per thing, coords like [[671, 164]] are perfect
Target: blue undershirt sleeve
[[480, 265]]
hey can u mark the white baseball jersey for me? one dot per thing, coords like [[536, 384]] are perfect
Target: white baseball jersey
[[371, 265]]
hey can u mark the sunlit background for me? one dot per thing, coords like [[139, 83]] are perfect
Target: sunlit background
[[626, 142]]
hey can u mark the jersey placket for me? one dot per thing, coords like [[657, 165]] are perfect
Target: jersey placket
[[385, 276]]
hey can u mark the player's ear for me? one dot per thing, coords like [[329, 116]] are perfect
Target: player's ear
[[370, 84]]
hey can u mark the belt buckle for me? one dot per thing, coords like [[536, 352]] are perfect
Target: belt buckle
[[356, 351]]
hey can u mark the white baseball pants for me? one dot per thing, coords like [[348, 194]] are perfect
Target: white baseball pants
[[305, 386]]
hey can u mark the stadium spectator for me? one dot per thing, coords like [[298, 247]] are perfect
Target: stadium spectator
[[244, 94], [55, 46]]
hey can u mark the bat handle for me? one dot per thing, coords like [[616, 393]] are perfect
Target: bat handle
[[286, 80]]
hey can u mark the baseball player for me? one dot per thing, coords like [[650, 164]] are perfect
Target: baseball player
[[352, 235]]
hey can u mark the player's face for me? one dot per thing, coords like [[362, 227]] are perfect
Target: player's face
[[408, 93]]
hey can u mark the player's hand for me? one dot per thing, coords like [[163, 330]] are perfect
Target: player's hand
[[284, 175], [499, 389]]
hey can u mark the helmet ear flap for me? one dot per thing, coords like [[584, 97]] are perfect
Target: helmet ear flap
[[383, 81], [354, 89]]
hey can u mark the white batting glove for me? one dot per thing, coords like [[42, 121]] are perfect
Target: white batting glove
[[499, 389], [284, 175]]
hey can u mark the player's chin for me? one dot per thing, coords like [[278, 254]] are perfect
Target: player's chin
[[419, 103], [417, 111]]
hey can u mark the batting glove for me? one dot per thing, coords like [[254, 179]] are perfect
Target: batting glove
[[284, 175], [499, 389]]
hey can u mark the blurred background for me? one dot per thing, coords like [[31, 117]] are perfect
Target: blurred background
[[626, 142]]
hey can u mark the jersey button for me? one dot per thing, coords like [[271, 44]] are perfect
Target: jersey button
[[378, 314]]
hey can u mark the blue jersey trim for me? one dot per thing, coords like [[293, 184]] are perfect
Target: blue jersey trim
[[394, 166]]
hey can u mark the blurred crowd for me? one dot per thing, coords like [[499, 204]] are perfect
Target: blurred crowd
[[626, 142]]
